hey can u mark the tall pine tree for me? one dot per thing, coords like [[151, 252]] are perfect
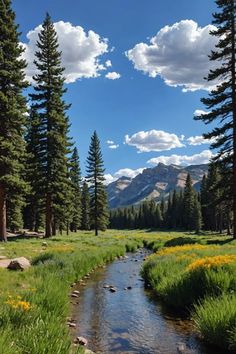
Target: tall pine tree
[[54, 142], [75, 178], [12, 112], [85, 208], [222, 100], [95, 178]]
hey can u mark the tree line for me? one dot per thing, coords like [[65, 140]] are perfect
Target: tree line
[[40, 178], [185, 209]]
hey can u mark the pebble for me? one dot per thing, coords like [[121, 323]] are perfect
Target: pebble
[[81, 341]]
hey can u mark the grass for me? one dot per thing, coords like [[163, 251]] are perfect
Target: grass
[[35, 303], [200, 277]]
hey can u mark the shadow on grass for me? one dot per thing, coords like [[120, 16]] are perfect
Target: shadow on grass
[[180, 241]]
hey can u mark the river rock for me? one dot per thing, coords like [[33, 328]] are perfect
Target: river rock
[[81, 341], [129, 287], [74, 295], [87, 351], [106, 286], [77, 292], [20, 263], [71, 324], [112, 290]]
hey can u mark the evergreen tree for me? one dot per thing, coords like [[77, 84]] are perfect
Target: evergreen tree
[[222, 100], [85, 208], [188, 205], [95, 177], [197, 215], [33, 216], [204, 198], [54, 142], [75, 177], [12, 112]]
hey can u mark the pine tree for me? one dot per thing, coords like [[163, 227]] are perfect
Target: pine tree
[[54, 142], [95, 178], [197, 215], [188, 205], [33, 216], [85, 208], [75, 177], [12, 112], [222, 100]]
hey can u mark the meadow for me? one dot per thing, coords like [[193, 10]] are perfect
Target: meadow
[[199, 277], [187, 271]]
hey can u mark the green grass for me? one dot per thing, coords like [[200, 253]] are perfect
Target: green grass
[[41, 327], [190, 273]]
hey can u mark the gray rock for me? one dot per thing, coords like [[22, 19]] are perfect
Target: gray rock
[[112, 290], [20, 263], [81, 341]]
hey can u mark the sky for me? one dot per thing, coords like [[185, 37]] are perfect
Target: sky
[[134, 72]]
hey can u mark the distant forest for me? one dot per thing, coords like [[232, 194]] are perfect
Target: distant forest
[[185, 209]]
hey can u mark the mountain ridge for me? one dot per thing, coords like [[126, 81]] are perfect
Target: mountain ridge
[[153, 183]]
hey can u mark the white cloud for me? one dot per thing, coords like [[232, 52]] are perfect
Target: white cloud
[[110, 142], [114, 146], [199, 140], [153, 140], [108, 63], [178, 54], [197, 159], [125, 172], [81, 51], [113, 75], [199, 112]]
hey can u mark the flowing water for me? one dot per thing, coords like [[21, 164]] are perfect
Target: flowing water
[[130, 320]]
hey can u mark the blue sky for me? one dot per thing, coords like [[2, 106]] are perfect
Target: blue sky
[[152, 111]]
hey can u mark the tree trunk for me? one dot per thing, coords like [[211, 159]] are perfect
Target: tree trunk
[[54, 228], [234, 118], [3, 218], [48, 231], [67, 229]]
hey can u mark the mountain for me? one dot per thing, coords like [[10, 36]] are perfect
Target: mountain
[[153, 183]]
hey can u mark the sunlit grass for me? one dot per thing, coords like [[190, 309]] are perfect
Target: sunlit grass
[[35, 303]]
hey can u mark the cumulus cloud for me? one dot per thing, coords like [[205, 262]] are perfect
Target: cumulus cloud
[[125, 172], [197, 159], [110, 142], [153, 140], [199, 140], [81, 51], [113, 75], [178, 54]]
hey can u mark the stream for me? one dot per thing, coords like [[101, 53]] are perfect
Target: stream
[[130, 320]]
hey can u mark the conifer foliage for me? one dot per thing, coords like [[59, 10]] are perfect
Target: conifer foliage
[[75, 178], [222, 100], [12, 113], [85, 207], [95, 179], [53, 141]]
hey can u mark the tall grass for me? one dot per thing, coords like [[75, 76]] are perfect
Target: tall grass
[[184, 276]]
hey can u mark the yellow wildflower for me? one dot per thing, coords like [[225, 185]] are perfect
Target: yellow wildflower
[[177, 249], [211, 262], [19, 304]]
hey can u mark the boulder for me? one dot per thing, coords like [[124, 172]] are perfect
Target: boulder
[[20, 263]]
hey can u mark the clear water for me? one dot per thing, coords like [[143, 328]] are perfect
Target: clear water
[[131, 321]]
